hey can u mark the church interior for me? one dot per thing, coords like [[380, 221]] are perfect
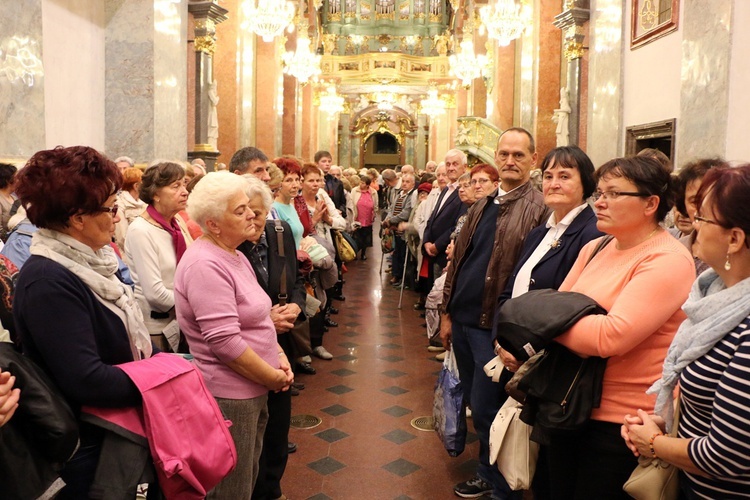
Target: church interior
[[375, 82]]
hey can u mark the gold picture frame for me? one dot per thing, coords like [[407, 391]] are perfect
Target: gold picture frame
[[652, 19]]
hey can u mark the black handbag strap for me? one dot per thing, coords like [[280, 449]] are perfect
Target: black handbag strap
[[280, 240], [602, 243]]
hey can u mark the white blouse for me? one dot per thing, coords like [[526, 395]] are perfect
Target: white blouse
[[551, 240]]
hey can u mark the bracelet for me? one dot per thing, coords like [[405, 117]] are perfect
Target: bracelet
[[497, 348], [651, 443]]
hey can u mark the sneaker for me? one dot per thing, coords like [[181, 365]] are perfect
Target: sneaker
[[305, 359], [435, 346], [321, 352], [473, 488]]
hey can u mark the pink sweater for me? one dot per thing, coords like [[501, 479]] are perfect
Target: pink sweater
[[643, 288], [222, 310]]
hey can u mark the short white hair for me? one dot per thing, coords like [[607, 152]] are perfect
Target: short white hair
[[459, 153], [126, 159], [211, 195], [330, 170], [256, 187]]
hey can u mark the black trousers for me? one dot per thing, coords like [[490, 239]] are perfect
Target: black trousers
[[275, 453], [591, 464]]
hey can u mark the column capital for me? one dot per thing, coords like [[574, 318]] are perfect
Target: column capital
[[571, 21], [206, 15]]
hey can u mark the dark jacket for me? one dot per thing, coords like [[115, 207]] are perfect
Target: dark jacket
[[41, 436], [519, 212], [554, 266], [441, 223], [295, 282], [335, 190], [527, 323]]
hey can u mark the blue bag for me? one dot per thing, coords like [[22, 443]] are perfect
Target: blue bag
[[448, 409]]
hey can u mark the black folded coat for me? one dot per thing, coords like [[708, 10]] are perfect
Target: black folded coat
[[526, 324]]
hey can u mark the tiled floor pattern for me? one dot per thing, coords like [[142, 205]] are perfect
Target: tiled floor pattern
[[381, 377]]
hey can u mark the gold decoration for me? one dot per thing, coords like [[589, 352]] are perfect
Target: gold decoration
[[204, 148], [573, 50], [384, 67], [569, 4], [436, 18], [336, 17], [206, 24], [205, 44]]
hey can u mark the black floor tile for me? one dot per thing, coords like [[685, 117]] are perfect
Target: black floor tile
[[401, 467], [396, 411], [326, 466], [398, 436], [336, 410], [332, 435], [339, 389]]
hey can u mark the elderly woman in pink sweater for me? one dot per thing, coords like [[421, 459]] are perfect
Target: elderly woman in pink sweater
[[226, 318]]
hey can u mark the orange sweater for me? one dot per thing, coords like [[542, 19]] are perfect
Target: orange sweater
[[643, 288]]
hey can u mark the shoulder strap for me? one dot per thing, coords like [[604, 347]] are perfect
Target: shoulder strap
[[602, 243], [280, 241]]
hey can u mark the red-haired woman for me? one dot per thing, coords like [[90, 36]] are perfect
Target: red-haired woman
[[283, 205], [710, 355], [73, 316], [131, 205]]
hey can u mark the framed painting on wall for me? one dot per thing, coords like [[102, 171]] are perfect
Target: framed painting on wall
[[651, 19]]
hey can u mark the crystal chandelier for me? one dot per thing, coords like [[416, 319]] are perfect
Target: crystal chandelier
[[505, 20], [302, 63], [465, 64], [331, 102], [269, 18], [432, 106]]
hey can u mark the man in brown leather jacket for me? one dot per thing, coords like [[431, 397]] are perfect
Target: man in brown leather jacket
[[486, 252]]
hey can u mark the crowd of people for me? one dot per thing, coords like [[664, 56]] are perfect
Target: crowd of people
[[238, 271]]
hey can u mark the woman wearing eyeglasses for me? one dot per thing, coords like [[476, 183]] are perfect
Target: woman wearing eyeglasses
[[154, 246], [73, 317], [710, 355], [642, 278]]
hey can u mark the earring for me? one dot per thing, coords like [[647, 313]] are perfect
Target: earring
[[727, 264]]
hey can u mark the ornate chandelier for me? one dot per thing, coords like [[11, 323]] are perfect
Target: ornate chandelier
[[465, 64], [269, 18], [432, 106], [331, 102], [302, 63], [505, 20]]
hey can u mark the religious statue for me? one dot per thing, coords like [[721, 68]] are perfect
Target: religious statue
[[442, 43], [213, 115], [462, 135], [562, 118]]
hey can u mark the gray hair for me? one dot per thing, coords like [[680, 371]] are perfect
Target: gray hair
[[158, 176], [210, 197], [126, 159], [256, 187], [459, 153], [388, 174]]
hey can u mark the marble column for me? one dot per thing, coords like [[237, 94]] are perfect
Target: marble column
[[573, 23], [547, 78], [345, 142], [22, 124], [605, 136], [206, 15], [420, 142], [704, 97]]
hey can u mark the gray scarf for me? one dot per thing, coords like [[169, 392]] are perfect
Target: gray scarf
[[97, 270], [713, 310]]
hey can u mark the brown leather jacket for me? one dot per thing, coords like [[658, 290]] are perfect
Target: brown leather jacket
[[521, 210]]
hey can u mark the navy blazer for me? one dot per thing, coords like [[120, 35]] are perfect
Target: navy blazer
[[441, 224], [556, 263]]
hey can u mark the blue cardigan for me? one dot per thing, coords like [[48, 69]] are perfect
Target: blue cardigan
[[73, 337], [554, 266]]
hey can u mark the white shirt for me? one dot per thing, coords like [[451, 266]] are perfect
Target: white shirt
[[451, 188], [550, 240]]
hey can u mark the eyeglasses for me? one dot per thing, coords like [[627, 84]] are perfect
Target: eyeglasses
[[703, 220], [110, 210], [474, 182], [613, 195]]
